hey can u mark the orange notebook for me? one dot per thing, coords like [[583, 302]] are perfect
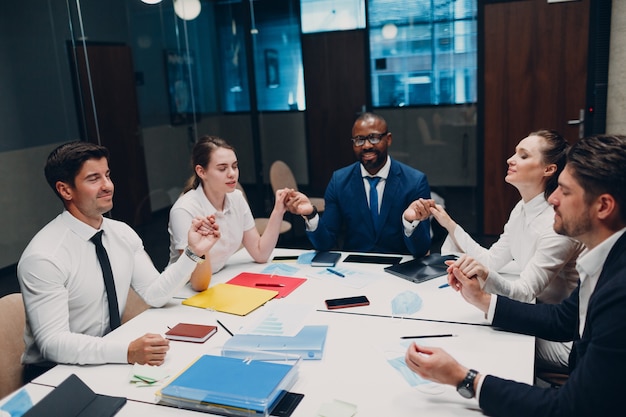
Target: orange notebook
[[284, 285], [189, 332]]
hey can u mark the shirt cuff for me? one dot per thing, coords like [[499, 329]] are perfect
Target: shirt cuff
[[409, 227], [311, 225], [117, 352], [492, 308], [479, 385]]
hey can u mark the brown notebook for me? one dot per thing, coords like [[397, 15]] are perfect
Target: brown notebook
[[188, 332]]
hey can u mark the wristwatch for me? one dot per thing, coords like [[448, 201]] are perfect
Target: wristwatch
[[466, 387], [312, 214], [197, 259]]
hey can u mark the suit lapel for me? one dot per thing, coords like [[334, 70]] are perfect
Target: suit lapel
[[391, 189]]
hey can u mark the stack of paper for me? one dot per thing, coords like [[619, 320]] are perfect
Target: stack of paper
[[230, 386], [308, 343]]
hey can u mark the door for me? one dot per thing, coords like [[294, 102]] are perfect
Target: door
[[535, 76], [335, 67], [109, 115]]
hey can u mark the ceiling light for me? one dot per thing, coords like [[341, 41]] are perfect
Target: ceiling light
[[187, 9], [390, 31]]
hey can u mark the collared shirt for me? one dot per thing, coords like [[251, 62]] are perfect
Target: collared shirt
[[64, 295], [234, 220], [546, 261], [380, 187], [589, 267], [311, 225]]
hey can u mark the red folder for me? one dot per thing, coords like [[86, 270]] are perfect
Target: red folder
[[284, 285]]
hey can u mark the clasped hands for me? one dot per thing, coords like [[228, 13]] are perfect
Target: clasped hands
[[203, 234], [419, 210]]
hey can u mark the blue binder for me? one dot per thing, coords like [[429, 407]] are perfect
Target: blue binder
[[232, 385], [308, 343]]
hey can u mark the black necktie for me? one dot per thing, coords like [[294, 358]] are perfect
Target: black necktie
[[103, 258]]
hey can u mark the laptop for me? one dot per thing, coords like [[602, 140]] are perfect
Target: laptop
[[421, 269]]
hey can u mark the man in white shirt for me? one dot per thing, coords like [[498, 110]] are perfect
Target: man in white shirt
[[63, 278], [590, 206]]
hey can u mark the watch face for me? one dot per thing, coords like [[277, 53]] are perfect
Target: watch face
[[465, 392]]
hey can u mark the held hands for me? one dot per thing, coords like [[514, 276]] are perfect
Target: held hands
[[298, 203], [434, 364], [419, 210], [443, 218], [149, 349], [468, 285], [203, 234], [280, 203]]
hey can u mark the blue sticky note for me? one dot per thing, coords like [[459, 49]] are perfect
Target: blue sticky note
[[18, 405], [306, 258], [280, 269]]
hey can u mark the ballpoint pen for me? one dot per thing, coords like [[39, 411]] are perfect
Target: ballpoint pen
[[444, 285], [268, 284], [427, 336], [224, 327], [332, 271]]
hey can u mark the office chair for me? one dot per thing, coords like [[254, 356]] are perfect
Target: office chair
[[135, 305], [261, 222], [281, 176], [12, 322]]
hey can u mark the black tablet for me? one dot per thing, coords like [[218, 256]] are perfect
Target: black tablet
[[374, 259]]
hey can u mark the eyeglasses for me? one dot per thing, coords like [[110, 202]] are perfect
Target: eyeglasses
[[372, 138]]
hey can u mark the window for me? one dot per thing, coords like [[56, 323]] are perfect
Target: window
[[332, 15], [422, 52]]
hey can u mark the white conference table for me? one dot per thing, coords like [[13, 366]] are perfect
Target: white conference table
[[355, 367]]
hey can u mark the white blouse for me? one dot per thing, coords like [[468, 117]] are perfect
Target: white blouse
[[545, 259]]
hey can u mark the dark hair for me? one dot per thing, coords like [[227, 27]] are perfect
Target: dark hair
[[201, 155], [370, 115], [554, 152], [598, 163], [64, 162]]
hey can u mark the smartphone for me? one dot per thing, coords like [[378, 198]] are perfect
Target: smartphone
[[360, 300], [289, 258]]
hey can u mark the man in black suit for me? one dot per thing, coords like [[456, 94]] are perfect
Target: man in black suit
[[590, 206]]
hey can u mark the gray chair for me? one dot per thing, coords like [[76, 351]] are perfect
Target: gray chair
[[261, 222], [281, 176], [135, 305], [12, 322]]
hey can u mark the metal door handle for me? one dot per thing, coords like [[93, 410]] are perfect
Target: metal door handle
[[580, 122]]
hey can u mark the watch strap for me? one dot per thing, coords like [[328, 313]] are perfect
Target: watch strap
[[311, 215], [191, 255], [466, 387]]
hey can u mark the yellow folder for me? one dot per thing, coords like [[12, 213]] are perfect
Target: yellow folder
[[233, 299]]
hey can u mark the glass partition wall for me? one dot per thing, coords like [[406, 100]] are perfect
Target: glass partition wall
[[146, 78]]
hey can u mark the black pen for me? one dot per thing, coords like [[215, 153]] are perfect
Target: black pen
[[332, 271], [268, 284], [427, 336], [224, 327]]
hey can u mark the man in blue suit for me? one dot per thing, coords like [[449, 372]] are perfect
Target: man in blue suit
[[589, 205], [376, 204]]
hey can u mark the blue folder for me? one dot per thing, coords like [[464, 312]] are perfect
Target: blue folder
[[308, 343], [234, 384]]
